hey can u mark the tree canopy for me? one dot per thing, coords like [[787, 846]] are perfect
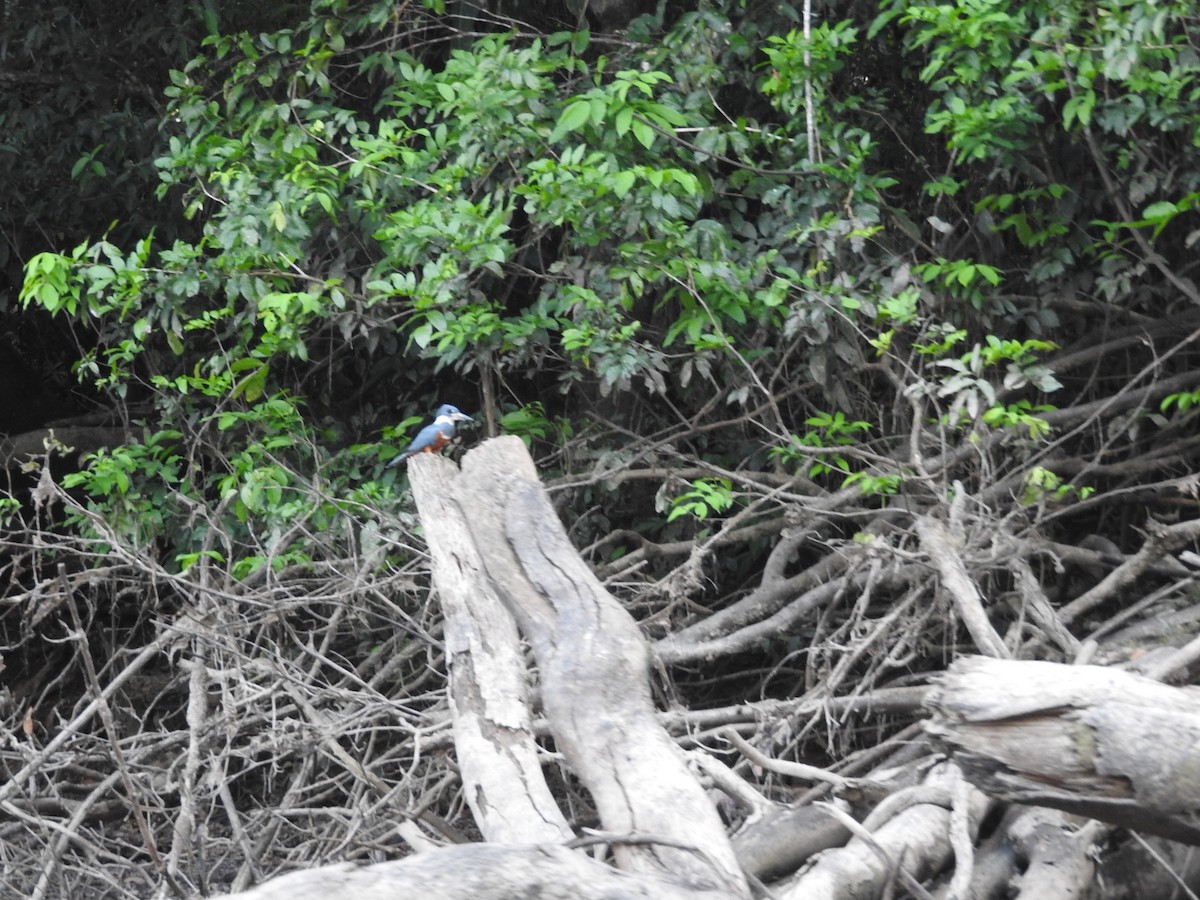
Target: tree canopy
[[847, 340]]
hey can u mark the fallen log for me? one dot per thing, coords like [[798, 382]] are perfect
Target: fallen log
[[1088, 740], [478, 871]]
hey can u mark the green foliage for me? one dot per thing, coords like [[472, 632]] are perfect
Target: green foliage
[[801, 68], [1014, 83], [890, 213], [613, 105], [708, 496], [973, 394], [10, 509], [1183, 402], [530, 423], [1025, 212], [1041, 485], [829, 430], [873, 485], [1157, 215], [962, 278], [1019, 416], [82, 111], [136, 488]]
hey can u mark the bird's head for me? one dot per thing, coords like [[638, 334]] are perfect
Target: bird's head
[[448, 413]]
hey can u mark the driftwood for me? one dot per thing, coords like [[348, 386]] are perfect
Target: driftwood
[[1064, 740], [493, 735], [494, 536], [910, 837], [1087, 740], [478, 872]]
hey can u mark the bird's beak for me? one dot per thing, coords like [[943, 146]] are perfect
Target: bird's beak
[[462, 417]]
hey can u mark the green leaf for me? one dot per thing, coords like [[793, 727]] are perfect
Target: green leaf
[[598, 107], [1160, 210], [251, 387], [989, 273], [622, 120], [422, 335], [643, 132], [622, 183], [573, 118]]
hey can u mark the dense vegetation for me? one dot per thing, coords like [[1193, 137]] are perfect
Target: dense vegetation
[[765, 293]]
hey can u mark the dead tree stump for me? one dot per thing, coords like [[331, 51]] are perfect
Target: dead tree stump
[[499, 550]]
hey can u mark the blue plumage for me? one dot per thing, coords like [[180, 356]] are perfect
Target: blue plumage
[[433, 438]]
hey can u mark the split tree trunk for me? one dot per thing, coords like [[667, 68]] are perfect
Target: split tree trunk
[[499, 549]]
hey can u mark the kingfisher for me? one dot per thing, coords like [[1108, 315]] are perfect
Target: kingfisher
[[433, 438]]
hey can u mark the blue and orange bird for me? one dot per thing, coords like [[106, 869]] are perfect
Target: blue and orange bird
[[433, 438]]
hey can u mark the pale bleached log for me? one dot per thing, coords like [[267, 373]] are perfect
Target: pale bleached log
[[1060, 851], [478, 872], [594, 667], [937, 542], [493, 734], [917, 839], [505, 538], [1088, 740]]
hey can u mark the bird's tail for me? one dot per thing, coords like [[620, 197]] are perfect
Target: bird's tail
[[399, 459]]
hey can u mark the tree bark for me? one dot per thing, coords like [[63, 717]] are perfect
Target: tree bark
[[594, 668], [480, 872], [936, 541], [495, 539], [493, 735], [1088, 740], [913, 844]]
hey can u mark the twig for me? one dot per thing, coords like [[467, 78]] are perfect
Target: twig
[[110, 728], [729, 782], [960, 839], [936, 541], [783, 767], [1162, 540], [1157, 857]]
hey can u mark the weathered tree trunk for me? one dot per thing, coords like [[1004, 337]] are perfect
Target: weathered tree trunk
[[494, 534], [477, 872], [1088, 740], [493, 737], [594, 668]]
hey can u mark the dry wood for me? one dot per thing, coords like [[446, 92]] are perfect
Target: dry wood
[[355, 752], [493, 533], [939, 545], [594, 667], [1060, 851], [1161, 540], [493, 735], [480, 872], [785, 838], [1085, 739], [916, 841]]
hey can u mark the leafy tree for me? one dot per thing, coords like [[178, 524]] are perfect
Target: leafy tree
[[794, 311]]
